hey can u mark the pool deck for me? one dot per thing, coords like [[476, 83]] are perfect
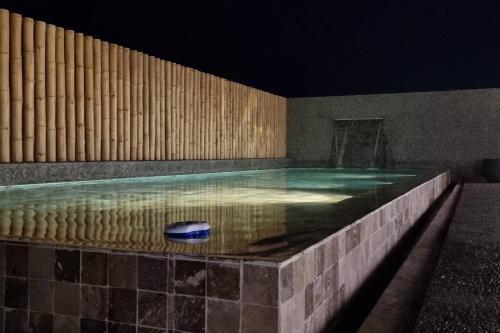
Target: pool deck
[[464, 292]]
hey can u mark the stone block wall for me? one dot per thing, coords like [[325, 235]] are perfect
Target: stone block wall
[[316, 284]]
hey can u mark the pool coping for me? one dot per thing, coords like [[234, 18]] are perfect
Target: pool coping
[[36, 173]]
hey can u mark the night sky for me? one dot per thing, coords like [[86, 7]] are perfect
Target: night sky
[[302, 48]]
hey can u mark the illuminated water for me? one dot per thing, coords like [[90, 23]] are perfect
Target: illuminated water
[[265, 212]]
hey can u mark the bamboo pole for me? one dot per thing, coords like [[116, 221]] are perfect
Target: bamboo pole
[[188, 123], [213, 145], [126, 103], [61, 153], [120, 118], [228, 106], [133, 105], [50, 72], [232, 121], [207, 116], [89, 99], [168, 109], [197, 101], [174, 109], [163, 124], [203, 112], [140, 106], [244, 124], [69, 57], [106, 144], [216, 114], [225, 107], [146, 109], [40, 110], [235, 120], [192, 123], [113, 100], [80, 96], [97, 60], [158, 110], [152, 108], [28, 91], [284, 127], [4, 88], [182, 111]]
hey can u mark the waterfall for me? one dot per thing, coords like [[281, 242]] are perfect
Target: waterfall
[[358, 142]]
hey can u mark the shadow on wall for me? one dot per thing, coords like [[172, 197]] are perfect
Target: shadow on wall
[[360, 143]]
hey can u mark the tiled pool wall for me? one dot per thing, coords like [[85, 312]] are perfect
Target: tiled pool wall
[[63, 289], [316, 285], [46, 288]]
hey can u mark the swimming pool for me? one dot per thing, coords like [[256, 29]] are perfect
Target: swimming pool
[[266, 212]]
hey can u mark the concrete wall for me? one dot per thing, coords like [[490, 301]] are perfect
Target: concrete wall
[[455, 129]]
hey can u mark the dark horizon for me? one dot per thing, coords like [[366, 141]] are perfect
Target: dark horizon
[[298, 49]]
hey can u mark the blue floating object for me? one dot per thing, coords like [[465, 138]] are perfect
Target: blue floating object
[[188, 232]]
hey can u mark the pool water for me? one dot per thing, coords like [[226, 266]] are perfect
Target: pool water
[[265, 212]]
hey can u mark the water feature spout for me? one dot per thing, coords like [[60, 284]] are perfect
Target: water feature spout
[[357, 142]]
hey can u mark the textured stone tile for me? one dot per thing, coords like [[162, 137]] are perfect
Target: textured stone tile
[[223, 316], [190, 277], [223, 280], [319, 319], [152, 309], [299, 274], [153, 273], [92, 326], [41, 263], [121, 328], [16, 321], [122, 271], [292, 314], [122, 306], [320, 260], [142, 329], [353, 237], [309, 266], [171, 276], [286, 282], [67, 265], [328, 283], [309, 325], [341, 240], [259, 319], [66, 298], [318, 291], [309, 300], [93, 302], [41, 295], [16, 292], [328, 254], [189, 313], [2, 290], [260, 285], [95, 268], [363, 230], [170, 311], [41, 322], [65, 324], [16, 260]]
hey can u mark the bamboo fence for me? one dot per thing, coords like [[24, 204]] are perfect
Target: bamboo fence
[[65, 96]]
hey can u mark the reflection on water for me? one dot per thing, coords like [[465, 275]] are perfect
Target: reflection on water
[[246, 210]]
